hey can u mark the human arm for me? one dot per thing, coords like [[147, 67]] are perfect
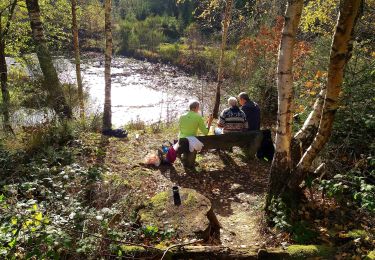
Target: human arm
[[221, 122], [202, 126]]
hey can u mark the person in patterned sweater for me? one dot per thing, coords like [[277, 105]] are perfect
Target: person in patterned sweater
[[233, 119]]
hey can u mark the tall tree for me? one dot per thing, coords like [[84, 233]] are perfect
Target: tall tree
[[77, 59], [286, 177], [3, 66], [107, 116], [341, 50], [220, 76], [281, 164], [51, 81]]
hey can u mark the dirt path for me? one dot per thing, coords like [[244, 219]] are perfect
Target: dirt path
[[235, 188]]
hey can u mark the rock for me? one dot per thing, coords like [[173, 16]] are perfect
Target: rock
[[194, 218]]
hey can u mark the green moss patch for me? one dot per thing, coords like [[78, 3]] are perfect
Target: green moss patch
[[160, 199], [358, 233], [370, 256], [191, 200], [304, 251], [132, 250]]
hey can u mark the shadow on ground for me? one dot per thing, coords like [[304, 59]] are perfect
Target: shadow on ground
[[223, 186]]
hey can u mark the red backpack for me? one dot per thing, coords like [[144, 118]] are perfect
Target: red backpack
[[169, 152], [171, 155]]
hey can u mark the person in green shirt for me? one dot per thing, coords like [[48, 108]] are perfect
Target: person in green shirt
[[190, 122]]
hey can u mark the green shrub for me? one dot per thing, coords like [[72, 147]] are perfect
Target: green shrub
[[169, 52], [147, 34], [355, 186]]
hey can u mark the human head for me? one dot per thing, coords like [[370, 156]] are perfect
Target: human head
[[194, 106], [243, 97], [232, 102]]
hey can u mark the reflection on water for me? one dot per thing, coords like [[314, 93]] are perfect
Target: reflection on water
[[140, 90]]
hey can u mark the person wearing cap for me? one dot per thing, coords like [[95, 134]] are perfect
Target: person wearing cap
[[190, 122], [251, 110], [232, 119]]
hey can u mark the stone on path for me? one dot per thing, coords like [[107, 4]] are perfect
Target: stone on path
[[194, 218]]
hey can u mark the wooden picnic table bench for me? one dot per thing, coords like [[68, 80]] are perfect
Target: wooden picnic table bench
[[251, 142]]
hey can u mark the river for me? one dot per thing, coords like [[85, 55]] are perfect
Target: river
[[141, 91]]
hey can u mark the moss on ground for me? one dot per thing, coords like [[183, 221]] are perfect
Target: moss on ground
[[358, 233], [190, 201], [132, 250], [160, 200], [305, 251], [371, 255]]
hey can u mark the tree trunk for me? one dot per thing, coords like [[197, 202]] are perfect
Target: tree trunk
[[305, 136], [281, 165], [51, 80], [4, 88], [340, 54], [220, 76], [77, 60], [107, 117], [4, 71]]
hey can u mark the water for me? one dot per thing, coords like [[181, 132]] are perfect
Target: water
[[140, 90]]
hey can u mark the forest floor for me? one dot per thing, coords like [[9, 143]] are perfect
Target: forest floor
[[235, 187]]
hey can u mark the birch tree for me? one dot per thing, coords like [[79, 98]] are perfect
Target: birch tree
[[51, 81], [286, 177], [341, 49], [107, 116], [77, 59], [220, 77], [3, 65], [281, 164]]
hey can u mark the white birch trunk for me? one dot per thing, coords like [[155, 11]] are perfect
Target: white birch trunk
[[282, 158], [340, 55]]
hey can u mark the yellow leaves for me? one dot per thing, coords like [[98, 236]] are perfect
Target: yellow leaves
[[319, 74], [38, 216], [318, 16], [309, 84], [27, 223], [373, 54], [14, 221], [300, 109]]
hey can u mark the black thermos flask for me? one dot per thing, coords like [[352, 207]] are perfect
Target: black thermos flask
[[176, 196]]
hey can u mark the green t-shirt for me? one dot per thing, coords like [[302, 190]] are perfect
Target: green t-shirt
[[189, 124]]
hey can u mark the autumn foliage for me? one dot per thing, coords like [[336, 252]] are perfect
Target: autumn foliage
[[265, 45]]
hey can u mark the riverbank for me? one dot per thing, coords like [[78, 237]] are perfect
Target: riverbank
[[195, 60]]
